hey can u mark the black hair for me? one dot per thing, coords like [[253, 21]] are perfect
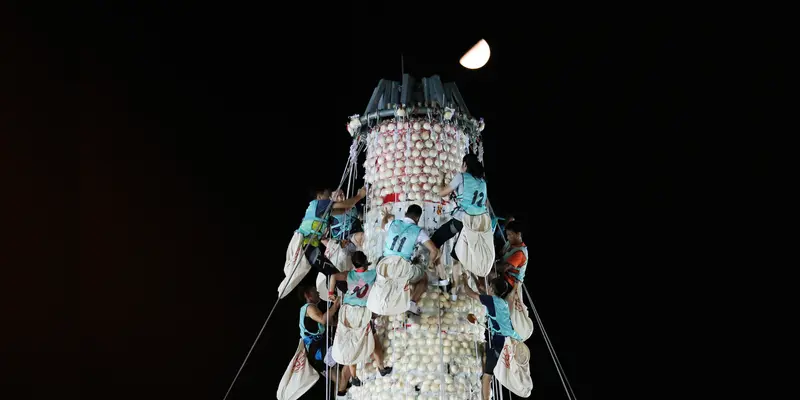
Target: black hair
[[359, 259], [303, 290], [500, 286], [474, 167], [414, 211], [514, 226]]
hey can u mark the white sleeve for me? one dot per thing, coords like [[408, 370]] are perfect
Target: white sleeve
[[423, 237], [456, 182]]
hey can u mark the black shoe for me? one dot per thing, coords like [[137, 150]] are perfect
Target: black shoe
[[385, 371], [349, 385], [356, 382]]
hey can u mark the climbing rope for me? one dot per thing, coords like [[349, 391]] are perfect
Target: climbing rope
[[550, 348], [325, 215]]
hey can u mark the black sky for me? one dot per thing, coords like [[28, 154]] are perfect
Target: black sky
[[201, 129]]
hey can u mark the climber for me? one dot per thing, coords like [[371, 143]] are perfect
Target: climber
[[500, 327], [347, 227], [471, 212], [515, 255], [312, 330], [315, 224], [470, 189], [402, 238], [359, 282]]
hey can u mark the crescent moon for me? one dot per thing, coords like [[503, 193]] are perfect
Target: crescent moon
[[477, 56]]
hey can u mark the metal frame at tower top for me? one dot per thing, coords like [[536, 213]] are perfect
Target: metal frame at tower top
[[428, 92]]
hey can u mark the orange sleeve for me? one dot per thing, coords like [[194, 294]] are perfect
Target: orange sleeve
[[517, 259]]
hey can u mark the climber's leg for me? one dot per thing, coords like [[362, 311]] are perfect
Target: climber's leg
[[319, 263], [445, 232], [344, 375], [355, 380], [358, 239], [378, 352], [357, 235], [487, 385], [420, 286]]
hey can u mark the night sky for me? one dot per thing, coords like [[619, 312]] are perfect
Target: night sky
[[174, 147]]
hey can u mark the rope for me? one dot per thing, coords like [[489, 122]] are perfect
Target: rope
[[559, 368], [442, 383], [260, 332], [327, 340], [550, 348]]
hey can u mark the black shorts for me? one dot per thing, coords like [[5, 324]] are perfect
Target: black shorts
[[313, 348], [355, 228], [492, 355]]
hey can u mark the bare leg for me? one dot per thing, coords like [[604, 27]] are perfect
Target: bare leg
[[456, 276], [419, 288], [378, 352], [358, 239], [487, 384], [352, 369], [344, 376], [440, 270]]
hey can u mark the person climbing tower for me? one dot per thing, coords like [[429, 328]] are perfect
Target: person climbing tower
[[309, 237], [474, 248], [395, 268], [355, 348], [515, 255], [347, 226], [314, 318], [499, 328]]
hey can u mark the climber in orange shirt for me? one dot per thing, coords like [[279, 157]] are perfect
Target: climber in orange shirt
[[515, 255]]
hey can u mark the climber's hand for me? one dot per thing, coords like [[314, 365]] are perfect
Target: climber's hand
[[362, 192]]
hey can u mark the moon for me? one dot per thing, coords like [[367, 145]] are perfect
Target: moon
[[477, 56]]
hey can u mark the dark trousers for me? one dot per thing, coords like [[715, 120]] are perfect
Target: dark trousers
[[445, 233], [316, 257]]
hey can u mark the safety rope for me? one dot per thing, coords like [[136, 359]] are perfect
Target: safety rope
[[561, 374], [442, 383], [326, 214]]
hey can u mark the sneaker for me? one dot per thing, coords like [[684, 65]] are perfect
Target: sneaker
[[385, 371], [356, 382], [341, 396]]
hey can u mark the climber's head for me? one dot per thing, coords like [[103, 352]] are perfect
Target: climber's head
[[309, 294], [414, 212], [514, 232], [499, 287], [337, 195], [360, 260], [472, 166], [323, 194]]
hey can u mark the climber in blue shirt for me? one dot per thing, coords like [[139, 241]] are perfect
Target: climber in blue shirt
[[347, 227], [470, 189], [500, 323], [315, 225], [314, 319]]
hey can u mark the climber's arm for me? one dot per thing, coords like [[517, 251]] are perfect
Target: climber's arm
[[349, 203], [314, 313]]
